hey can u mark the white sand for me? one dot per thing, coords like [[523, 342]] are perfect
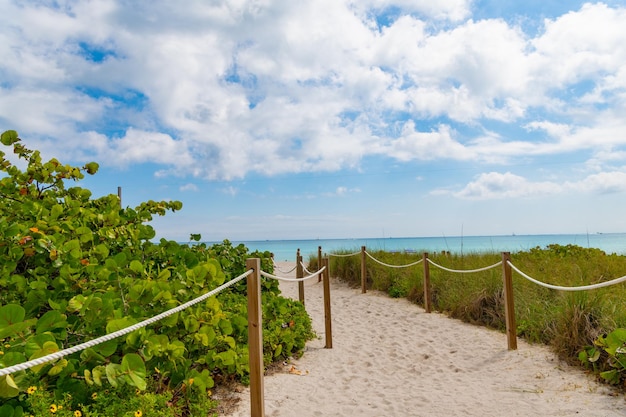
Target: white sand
[[390, 358]]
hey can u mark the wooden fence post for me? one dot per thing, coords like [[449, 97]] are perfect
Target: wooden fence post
[[509, 303], [300, 274], [255, 338], [427, 297], [327, 314], [363, 271], [319, 262]]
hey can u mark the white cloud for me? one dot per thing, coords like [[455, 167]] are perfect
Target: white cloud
[[189, 187], [342, 191], [494, 185], [444, 9], [230, 190], [415, 145], [139, 146], [497, 186], [222, 89], [601, 183]]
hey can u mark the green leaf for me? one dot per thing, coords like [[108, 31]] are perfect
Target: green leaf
[[47, 349], [56, 211], [136, 266], [612, 376], [102, 250], [8, 388], [227, 358], [9, 137], [84, 233], [35, 344], [58, 367], [112, 371], [51, 320], [7, 410], [134, 369], [89, 355], [10, 314], [226, 327], [615, 340], [97, 373], [164, 275], [92, 168], [12, 358], [17, 328], [119, 324]]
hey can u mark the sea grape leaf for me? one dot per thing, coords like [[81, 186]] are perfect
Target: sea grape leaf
[[10, 314], [49, 321], [8, 388], [9, 137], [134, 370]]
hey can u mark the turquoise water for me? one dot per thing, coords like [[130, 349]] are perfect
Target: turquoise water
[[285, 250]]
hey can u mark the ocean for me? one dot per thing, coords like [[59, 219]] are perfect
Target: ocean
[[285, 250]]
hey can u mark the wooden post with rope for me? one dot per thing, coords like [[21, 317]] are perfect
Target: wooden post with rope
[[427, 297], [509, 303], [363, 272], [327, 314], [300, 274], [255, 338], [319, 262]]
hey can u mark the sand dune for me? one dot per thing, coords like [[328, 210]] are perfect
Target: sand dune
[[390, 358]]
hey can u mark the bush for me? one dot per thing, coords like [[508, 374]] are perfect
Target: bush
[[73, 268]]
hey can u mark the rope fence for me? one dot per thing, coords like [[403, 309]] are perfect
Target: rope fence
[[560, 288], [507, 268], [255, 328], [276, 267], [58, 355], [253, 275]]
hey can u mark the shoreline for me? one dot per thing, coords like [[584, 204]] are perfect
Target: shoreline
[[389, 357]]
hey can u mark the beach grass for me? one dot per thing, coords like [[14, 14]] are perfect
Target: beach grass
[[566, 321]]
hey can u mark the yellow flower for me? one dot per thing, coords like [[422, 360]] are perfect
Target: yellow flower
[[77, 413], [31, 390], [94, 395], [138, 413], [1, 352], [60, 407], [53, 408]]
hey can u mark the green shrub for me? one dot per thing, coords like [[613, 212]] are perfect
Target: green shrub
[[73, 268]]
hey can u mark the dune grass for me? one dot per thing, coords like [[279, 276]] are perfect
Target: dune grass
[[566, 321]]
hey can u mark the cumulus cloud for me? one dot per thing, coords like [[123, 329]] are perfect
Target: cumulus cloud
[[217, 90], [495, 186]]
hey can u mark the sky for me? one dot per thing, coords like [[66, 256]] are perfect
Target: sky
[[276, 119]]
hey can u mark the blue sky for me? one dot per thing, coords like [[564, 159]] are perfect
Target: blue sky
[[275, 119]]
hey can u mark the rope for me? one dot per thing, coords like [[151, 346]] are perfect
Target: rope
[[306, 270], [466, 271], [393, 266], [285, 272], [558, 287], [343, 256], [268, 275], [58, 355]]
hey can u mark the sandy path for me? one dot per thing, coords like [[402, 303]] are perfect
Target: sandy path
[[389, 358]]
